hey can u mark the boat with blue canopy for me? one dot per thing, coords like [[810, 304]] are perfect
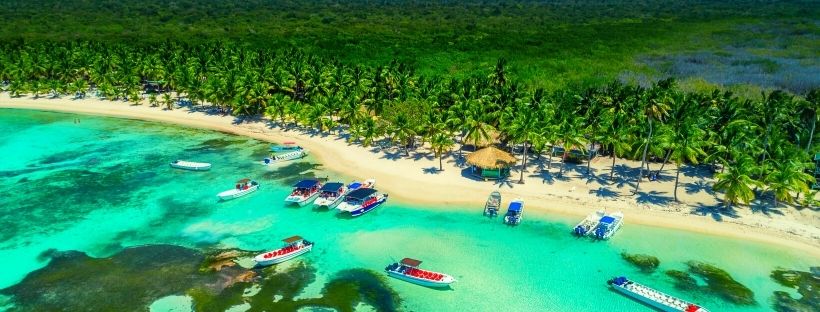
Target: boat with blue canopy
[[331, 194], [514, 212], [304, 192], [608, 225], [589, 223], [362, 201], [652, 297]]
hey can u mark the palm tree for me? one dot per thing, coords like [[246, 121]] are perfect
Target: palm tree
[[811, 111], [168, 101], [655, 108], [686, 146], [440, 143], [787, 177], [736, 183], [571, 135]]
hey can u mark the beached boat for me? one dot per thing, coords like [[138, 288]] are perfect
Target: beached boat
[[362, 201], [652, 297], [331, 194], [294, 247], [493, 204], [285, 147], [514, 211], [407, 270], [608, 225], [304, 192], [589, 223], [243, 187], [277, 158], [190, 165], [355, 185]]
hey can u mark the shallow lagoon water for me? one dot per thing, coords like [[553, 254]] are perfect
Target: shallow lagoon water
[[104, 184]]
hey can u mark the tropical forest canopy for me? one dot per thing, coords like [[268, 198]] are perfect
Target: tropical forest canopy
[[359, 73]]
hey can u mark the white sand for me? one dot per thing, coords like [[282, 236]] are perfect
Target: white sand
[[415, 179]]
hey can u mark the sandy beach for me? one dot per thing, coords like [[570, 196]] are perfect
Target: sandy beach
[[415, 178]]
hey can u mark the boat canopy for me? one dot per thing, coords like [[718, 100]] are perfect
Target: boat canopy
[[292, 239], [410, 262], [361, 193], [607, 219], [516, 206], [354, 185], [332, 187], [243, 181], [306, 184]]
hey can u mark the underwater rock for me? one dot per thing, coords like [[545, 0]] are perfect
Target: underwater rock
[[807, 285], [722, 284], [646, 263], [683, 280]]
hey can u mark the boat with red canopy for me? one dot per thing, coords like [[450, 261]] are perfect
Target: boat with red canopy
[[407, 270], [294, 247]]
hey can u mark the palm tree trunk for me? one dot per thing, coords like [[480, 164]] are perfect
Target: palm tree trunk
[[677, 176], [549, 157], [643, 161], [811, 134], [440, 165], [665, 160], [589, 157], [563, 163], [612, 172], [523, 164]]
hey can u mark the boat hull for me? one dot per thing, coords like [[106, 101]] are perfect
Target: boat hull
[[362, 210], [301, 201], [644, 300], [422, 282], [191, 166], [323, 202], [283, 258], [232, 194]]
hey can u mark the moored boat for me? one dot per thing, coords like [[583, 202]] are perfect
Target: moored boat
[[588, 224], [493, 204], [304, 192], [608, 225], [407, 270], [292, 155], [331, 194], [285, 147], [355, 185], [362, 201], [294, 247], [514, 212], [190, 165], [652, 297], [243, 187]]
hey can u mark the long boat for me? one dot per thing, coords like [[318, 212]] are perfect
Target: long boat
[[608, 225], [514, 212], [652, 297], [278, 158], [304, 192], [407, 270], [243, 187], [493, 204], [586, 226], [285, 147], [294, 247], [190, 165], [362, 201]]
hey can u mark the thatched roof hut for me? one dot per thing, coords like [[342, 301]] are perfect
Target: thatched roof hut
[[490, 158]]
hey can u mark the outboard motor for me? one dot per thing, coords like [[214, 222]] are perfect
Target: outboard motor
[[267, 161]]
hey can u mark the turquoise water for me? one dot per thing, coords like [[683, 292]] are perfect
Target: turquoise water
[[105, 184]]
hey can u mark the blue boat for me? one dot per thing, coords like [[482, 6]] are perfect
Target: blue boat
[[514, 211], [608, 225], [362, 201]]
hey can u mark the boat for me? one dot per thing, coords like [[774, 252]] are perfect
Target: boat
[[293, 155], [285, 147], [294, 247], [190, 165], [331, 194], [304, 192], [362, 201], [608, 225], [493, 204], [588, 224], [243, 187], [513, 216], [407, 270], [652, 297], [355, 185]]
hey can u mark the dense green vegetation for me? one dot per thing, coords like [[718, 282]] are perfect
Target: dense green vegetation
[[549, 44]]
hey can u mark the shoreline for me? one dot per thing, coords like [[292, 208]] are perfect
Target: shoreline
[[412, 179]]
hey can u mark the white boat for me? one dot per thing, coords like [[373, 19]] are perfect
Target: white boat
[[493, 204], [652, 297], [190, 165], [294, 247], [355, 185], [362, 201], [589, 223], [514, 212], [608, 225], [304, 192], [331, 194], [407, 270], [243, 187], [274, 158]]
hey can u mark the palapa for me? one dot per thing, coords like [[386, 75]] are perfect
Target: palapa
[[490, 158]]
